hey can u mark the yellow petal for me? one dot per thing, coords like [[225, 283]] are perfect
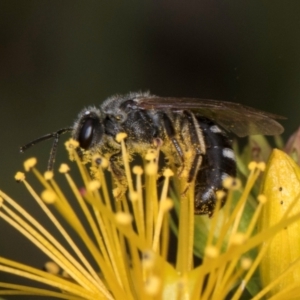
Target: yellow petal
[[281, 186]]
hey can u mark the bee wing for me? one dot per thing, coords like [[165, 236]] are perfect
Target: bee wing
[[239, 119]]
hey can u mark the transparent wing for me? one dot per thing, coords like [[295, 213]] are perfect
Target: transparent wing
[[239, 119]]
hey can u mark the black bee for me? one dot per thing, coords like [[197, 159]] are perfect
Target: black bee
[[192, 132]]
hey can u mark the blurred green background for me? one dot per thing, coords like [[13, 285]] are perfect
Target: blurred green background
[[58, 56]]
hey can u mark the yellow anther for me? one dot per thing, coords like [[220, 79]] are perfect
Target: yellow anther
[[29, 163], [48, 196], [48, 175], [20, 176], [64, 168], [121, 136], [123, 218]]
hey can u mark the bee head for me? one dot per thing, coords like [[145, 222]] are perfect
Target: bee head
[[88, 129]]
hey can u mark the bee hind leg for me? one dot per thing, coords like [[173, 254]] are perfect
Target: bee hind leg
[[170, 131], [195, 166]]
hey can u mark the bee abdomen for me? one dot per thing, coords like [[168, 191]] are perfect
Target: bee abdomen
[[217, 164]]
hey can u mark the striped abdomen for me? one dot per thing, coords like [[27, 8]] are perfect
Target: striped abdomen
[[217, 164]]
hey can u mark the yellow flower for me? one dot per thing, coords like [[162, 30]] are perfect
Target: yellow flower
[[127, 239]]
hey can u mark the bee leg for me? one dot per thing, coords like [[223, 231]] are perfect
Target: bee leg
[[172, 136], [118, 172], [197, 142], [193, 171], [195, 167]]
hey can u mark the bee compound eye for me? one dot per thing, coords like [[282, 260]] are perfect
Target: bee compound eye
[[86, 133]]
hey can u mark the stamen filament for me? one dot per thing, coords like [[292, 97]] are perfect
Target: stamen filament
[[161, 211], [18, 289], [50, 237], [185, 231], [251, 270], [60, 229], [151, 200], [242, 201], [139, 204], [269, 287], [45, 246]]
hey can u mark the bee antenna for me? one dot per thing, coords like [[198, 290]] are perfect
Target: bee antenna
[[48, 136]]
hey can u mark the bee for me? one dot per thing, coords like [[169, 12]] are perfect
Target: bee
[[193, 134]]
